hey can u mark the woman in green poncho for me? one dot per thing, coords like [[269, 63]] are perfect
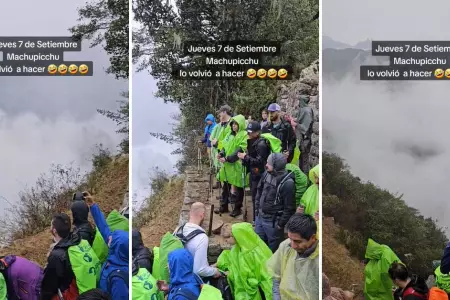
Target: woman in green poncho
[[246, 264], [232, 170]]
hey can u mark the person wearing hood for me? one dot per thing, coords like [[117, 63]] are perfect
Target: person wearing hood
[[81, 225], [275, 201], [245, 264], [232, 171], [210, 124], [58, 274], [410, 287], [23, 277], [184, 283], [141, 254], [115, 272]]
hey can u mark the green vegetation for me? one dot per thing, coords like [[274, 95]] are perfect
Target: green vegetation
[[364, 210], [106, 23], [158, 47]]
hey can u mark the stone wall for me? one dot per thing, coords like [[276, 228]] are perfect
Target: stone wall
[[289, 97]]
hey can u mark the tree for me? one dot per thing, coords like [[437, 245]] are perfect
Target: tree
[[158, 45], [121, 117], [106, 22]]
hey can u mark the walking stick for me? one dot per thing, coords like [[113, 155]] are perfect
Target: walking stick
[[245, 198]]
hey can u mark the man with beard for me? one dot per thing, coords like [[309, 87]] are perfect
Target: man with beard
[[275, 201], [197, 242], [295, 266], [283, 130]]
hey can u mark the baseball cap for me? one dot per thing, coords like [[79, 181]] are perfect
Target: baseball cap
[[253, 126], [225, 108], [274, 107]]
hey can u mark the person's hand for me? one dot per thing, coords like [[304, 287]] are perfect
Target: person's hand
[[300, 209], [214, 265], [222, 159], [162, 286], [241, 155], [88, 198], [214, 141], [217, 274]]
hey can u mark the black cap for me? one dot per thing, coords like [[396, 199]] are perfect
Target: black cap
[[253, 126]]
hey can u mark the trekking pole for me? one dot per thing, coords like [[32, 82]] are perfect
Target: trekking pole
[[245, 198], [60, 295], [211, 217]]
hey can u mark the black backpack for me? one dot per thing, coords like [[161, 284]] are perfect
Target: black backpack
[[184, 239], [117, 274]]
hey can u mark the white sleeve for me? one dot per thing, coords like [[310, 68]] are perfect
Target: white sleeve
[[201, 265]]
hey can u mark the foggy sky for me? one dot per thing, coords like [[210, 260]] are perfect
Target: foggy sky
[[150, 114], [352, 21], [377, 131], [45, 120]]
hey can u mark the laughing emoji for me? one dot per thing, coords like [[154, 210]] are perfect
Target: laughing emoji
[[52, 69], [282, 73], [262, 73], [62, 69], [447, 73], [439, 73], [73, 69], [83, 69], [251, 73], [272, 73]]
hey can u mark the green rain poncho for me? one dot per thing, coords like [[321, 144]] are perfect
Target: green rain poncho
[[274, 142], [301, 182], [378, 285], [298, 277], [232, 172], [116, 221], [168, 244], [246, 264], [214, 151], [3, 290], [310, 199]]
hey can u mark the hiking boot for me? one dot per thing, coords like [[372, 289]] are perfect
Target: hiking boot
[[236, 212], [222, 209], [233, 199]]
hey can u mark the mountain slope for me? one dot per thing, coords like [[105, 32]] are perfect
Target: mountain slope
[[109, 188]]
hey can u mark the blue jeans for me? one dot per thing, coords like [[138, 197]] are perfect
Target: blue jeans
[[268, 232]]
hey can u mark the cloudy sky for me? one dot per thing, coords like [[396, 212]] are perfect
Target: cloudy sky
[[351, 21], [47, 120], [381, 133]]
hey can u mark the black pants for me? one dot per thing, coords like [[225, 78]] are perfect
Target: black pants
[[254, 181], [226, 194]]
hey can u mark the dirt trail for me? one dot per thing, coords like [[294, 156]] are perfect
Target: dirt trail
[[342, 270]]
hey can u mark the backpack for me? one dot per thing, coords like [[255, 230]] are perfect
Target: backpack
[[116, 274], [280, 185], [433, 294], [144, 286], [207, 292], [185, 239], [99, 246], [3, 289], [85, 266], [272, 142]]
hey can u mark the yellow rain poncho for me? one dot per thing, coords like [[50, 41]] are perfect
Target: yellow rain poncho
[[298, 277], [246, 264]]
